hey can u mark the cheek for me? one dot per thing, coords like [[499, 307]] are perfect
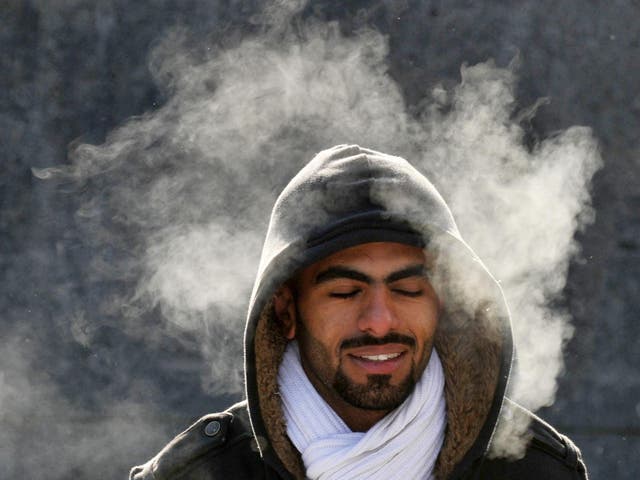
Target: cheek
[[423, 320], [330, 321], [325, 335], [318, 331]]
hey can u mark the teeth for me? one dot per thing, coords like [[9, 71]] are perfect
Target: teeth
[[380, 358]]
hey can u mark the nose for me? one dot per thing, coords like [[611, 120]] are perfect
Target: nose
[[377, 316]]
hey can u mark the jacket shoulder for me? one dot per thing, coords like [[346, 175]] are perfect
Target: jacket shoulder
[[218, 445], [549, 454]]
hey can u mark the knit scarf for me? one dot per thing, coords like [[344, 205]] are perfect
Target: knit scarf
[[404, 444]]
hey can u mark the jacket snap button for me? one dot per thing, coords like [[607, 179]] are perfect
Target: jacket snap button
[[212, 428]]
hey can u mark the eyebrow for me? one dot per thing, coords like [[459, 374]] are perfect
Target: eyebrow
[[418, 270], [332, 273]]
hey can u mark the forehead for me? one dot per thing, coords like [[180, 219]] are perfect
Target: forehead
[[374, 259]]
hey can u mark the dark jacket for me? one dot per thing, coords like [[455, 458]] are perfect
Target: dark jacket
[[347, 196]]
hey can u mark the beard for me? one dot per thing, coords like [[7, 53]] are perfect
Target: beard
[[377, 394]]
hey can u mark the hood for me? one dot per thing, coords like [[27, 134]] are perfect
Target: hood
[[347, 196]]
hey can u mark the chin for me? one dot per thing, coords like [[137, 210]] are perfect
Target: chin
[[378, 393]]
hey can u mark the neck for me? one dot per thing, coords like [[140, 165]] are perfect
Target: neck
[[358, 419]]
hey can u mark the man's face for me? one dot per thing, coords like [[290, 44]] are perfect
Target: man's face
[[364, 319]]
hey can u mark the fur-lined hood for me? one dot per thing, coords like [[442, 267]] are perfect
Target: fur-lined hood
[[347, 196]]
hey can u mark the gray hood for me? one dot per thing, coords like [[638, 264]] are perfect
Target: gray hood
[[349, 195]]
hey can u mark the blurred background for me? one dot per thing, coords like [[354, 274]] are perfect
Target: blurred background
[[102, 357]]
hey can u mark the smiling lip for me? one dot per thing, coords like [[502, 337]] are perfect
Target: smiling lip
[[378, 359]]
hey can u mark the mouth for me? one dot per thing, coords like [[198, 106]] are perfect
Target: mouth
[[378, 360]]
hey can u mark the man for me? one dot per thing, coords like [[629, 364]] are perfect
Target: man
[[377, 346]]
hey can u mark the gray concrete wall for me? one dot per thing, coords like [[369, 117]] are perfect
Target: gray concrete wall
[[82, 396]]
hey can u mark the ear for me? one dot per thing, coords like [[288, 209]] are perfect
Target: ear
[[285, 310]]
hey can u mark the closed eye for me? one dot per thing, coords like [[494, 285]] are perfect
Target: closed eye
[[349, 294], [408, 293]]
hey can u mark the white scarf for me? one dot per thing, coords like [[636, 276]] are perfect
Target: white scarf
[[403, 445]]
